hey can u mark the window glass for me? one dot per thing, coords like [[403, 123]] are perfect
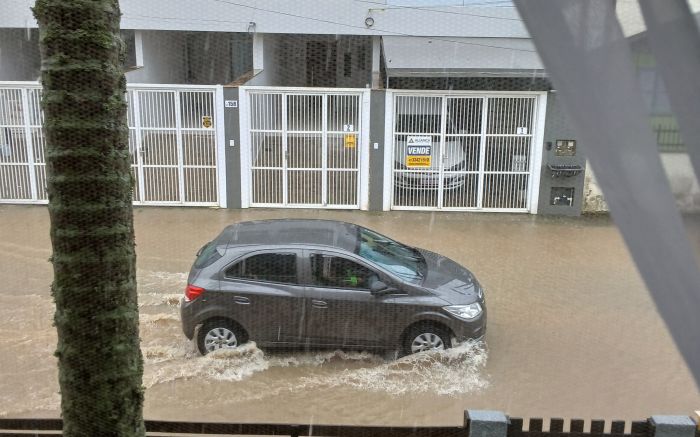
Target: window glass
[[207, 255], [401, 260], [271, 267], [129, 38], [333, 271]]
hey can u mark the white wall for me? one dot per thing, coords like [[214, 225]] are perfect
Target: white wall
[[328, 17], [271, 68], [164, 59], [681, 176], [19, 54]]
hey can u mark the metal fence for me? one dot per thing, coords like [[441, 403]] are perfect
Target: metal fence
[[22, 165], [511, 427], [174, 139], [669, 139], [478, 151], [305, 147]]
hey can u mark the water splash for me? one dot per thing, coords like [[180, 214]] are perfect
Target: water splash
[[454, 371], [167, 364]]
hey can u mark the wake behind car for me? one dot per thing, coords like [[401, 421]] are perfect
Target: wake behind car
[[322, 283]]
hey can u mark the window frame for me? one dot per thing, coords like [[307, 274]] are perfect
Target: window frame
[[307, 279], [281, 251]]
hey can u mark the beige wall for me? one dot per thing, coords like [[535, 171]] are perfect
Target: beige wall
[[681, 176]]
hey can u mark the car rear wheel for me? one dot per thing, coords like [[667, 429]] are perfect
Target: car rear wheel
[[426, 338], [219, 334]]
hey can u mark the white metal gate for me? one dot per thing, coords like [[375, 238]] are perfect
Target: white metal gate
[[174, 139], [480, 151], [22, 168], [305, 147]]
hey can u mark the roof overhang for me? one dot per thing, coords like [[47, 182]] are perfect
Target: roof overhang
[[461, 57]]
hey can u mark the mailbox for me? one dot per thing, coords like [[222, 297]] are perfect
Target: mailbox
[[565, 148], [562, 196]]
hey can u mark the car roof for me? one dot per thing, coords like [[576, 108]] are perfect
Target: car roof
[[274, 232]]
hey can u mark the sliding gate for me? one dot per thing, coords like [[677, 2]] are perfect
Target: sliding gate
[[465, 152], [174, 138], [174, 143], [306, 147], [22, 167]]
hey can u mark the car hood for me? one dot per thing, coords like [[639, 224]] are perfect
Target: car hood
[[449, 280]]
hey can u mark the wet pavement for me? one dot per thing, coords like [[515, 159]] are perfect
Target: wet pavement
[[572, 330]]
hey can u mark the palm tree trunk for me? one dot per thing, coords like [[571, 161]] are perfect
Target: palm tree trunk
[[89, 185]]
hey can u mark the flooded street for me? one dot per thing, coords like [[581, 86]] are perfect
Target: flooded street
[[572, 331]]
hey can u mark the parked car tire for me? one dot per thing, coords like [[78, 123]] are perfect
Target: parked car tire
[[426, 336], [219, 334]]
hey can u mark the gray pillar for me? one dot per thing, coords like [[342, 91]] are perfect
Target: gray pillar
[[232, 132], [376, 155], [484, 423], [376, 60], [258, 52], [557, 127], [673, 426]]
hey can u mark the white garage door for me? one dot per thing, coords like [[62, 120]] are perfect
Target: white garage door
[[464, 152], [174, 138], [305, 147]]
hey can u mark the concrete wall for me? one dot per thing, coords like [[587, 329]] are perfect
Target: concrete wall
[[376, 156], [270, 70], [681, 176], [217, 58], [287, 61], [329, 17], [556, 128], [163, 58], [232, 129], [203, 58], [19, 54]]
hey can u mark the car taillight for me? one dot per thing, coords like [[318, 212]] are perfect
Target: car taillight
[[192, 292]]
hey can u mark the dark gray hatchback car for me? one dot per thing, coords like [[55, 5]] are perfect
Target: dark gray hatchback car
[[321, 283]]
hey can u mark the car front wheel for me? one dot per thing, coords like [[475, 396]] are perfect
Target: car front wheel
[[425, 338]]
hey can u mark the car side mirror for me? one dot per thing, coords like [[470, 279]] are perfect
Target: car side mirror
[[378, 288]]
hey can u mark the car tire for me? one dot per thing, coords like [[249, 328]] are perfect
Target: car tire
[[426, 336], [219, 334]]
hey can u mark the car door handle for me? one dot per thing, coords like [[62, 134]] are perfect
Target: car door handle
[[241, 300], [319, 304]]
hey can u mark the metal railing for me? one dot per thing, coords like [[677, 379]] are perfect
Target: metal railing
[[475, 425], [175, 140], [478, 151], [669, 139], [305, 146]]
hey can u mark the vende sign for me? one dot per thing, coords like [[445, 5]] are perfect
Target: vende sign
[[418, 151]]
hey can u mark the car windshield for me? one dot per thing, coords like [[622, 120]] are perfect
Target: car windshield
[[403, 261]]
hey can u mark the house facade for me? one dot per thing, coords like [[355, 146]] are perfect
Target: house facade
[[357, 104]]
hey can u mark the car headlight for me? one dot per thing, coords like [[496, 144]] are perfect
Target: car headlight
[[465, 312]]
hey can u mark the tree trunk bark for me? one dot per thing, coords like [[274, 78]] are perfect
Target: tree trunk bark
[[89, 185]]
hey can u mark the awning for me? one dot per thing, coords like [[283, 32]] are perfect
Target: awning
[[408, 56]]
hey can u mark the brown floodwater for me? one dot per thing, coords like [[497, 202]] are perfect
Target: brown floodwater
[[572, 330]]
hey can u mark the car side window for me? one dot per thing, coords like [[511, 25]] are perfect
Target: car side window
[[270, 267], [334, 271]]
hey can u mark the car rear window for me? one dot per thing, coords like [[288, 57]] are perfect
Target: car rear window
[[207, 255], [268, 267]]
